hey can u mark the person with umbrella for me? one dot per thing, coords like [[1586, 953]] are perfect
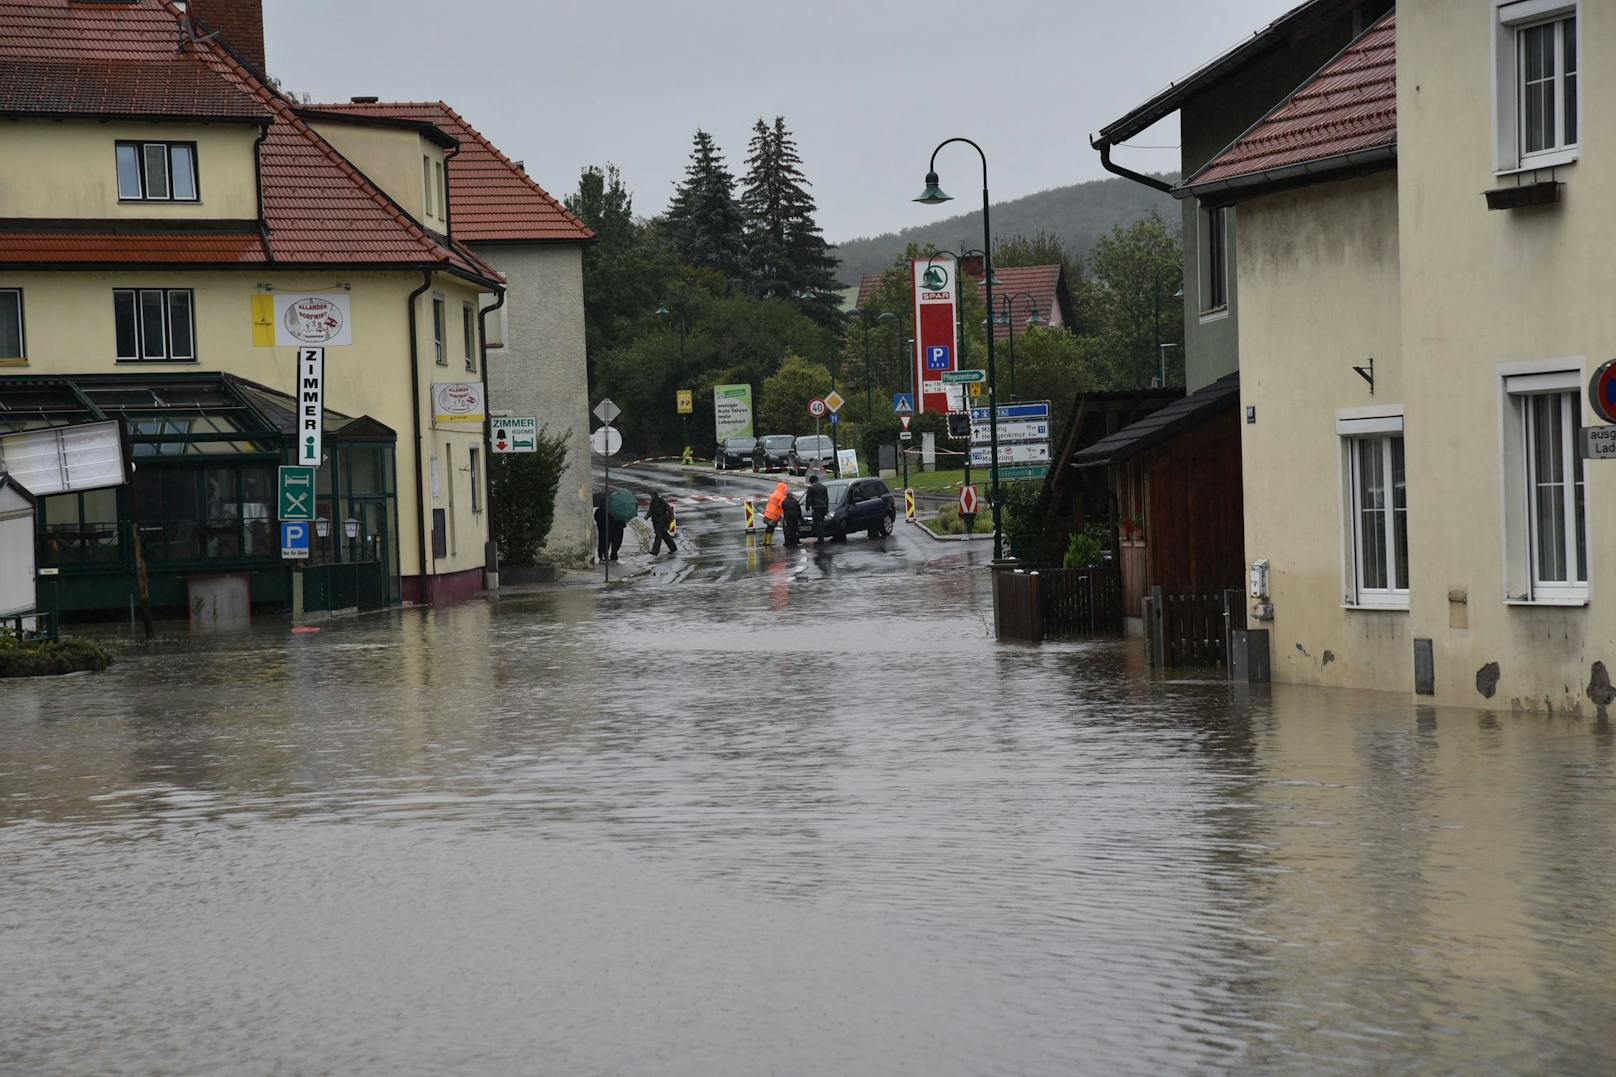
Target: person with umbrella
[[611, 520], [661, 516]]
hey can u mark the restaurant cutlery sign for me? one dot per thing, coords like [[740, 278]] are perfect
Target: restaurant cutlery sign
[[456, 402], [305, 320]]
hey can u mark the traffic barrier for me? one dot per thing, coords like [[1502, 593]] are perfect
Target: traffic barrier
[[751, 515], [909, 505]]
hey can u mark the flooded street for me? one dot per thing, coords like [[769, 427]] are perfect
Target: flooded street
[[792, 812]]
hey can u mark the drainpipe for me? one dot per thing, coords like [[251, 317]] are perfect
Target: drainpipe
[[491, 552], [258, 178], [1126, 173], [421, 505]]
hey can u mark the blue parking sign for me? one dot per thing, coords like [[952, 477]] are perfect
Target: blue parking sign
[[938, 357], [295, 540]]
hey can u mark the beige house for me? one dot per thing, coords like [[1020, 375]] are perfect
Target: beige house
[[1423, 270], [163, 207], [536, 354]]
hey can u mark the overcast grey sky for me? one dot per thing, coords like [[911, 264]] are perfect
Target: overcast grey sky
[[868, 88]]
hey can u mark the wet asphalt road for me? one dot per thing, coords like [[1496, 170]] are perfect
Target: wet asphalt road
[[769, 811]]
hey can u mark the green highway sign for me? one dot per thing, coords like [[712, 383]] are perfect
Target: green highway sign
[[296, 501], [963, 377], [1027, 471]]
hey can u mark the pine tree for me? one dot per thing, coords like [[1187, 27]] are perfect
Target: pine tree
[[703, 219], [787, 256]]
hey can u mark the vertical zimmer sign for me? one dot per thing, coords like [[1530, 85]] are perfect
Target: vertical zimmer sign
[[310, 405]]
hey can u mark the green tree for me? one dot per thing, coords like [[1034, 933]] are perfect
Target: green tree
[[1041, 248], [783, 406], [703, 220], [1053, 365], [624, 268], [522, 488], [1131, 304]]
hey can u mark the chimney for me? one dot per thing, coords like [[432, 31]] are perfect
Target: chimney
[[239, 24]]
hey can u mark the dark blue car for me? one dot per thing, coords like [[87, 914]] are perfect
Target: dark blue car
[[859, 505]]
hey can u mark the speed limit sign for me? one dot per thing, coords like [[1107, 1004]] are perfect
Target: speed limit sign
[[818, 408]]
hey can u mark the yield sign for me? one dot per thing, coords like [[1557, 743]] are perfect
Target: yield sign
[[905, 420]]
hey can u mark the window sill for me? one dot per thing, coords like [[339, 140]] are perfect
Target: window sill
[[1216, 314], [1569, 603], [159, 201], [1541, 161], [157, 362], [1369, 608], [16, 361]]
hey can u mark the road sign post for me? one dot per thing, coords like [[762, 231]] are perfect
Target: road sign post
[[310, 405], [606, 441]]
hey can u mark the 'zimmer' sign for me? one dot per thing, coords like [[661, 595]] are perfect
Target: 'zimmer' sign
[[310, 405]]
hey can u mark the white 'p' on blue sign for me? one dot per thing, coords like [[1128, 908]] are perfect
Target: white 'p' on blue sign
[[937, 357], [295, 540]]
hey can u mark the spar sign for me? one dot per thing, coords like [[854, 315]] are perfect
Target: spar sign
[[936, 344]]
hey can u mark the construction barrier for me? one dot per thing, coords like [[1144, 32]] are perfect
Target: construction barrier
[[909, 505], [751, 515]]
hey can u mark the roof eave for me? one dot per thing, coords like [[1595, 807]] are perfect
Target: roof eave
[[1288, 175], [429, 131], [134, 117]]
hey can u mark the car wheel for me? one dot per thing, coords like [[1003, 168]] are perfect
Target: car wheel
[[882, 528]]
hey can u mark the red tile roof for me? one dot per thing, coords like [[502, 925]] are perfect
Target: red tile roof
[[318, 208], [1043, 283], [490, 198], [1344, 114], [44, 248]]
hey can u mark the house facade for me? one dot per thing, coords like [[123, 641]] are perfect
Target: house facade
[[1422, 281], [158, 200], [535, 340]]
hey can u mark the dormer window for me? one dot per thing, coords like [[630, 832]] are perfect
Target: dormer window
[[157, 172]]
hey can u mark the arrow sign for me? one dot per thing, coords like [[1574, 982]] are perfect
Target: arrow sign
[[961, 377], [310, 405], [500, 443]]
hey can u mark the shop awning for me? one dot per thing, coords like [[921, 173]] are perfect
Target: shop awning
[[1163, 425]]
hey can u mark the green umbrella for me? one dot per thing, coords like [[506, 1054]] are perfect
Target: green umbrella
[[623, 506]]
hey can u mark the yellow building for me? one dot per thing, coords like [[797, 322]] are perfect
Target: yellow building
[[171, 232], [1422, 257]]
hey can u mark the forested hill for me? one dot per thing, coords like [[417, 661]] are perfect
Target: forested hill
[[1077, 214]]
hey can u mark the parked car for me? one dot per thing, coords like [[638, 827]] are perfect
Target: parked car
[[860, 505], [773, 452], [812, 451], [734, 452]]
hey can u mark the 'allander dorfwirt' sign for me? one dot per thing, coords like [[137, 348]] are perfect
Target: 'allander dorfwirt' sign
[[313, 320], [456, 402]]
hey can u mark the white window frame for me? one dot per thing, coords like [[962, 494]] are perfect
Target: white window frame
[[1520, 382], [1511, 17], [1209, 308], [1354, 427], [426, 185], [440, 328], [141, 150], [15, 294]]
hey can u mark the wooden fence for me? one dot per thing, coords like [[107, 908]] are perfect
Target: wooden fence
[[1038, 604], [1193, 630]]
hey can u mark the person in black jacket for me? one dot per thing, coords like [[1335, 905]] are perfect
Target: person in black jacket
[[818, 503], [793, 521], [608, 530], [661, 515]]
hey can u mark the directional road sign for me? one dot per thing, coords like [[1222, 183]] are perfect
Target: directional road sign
[[606, 441], [296, 498], [961, 377], [1023, 471], [685, 400], [1020, 430], [903, 403], [968, 501], [516, 433], [295, 540], [606, 411], [310, 405], [834, 401], [1037, 410], [1033, 453], [818, 408]]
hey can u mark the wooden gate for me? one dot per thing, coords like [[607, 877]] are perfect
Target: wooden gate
[[1193, 630]]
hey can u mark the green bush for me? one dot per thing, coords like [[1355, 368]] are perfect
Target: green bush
[[29, 658], [1036, 538], [1086, 550], [948, 521], [522, 488]]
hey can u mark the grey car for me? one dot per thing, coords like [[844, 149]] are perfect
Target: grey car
[[812, 452]]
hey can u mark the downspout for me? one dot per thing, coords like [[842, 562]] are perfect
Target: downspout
[[258, 178], [1111, 166], [415, 418], [491, 552]]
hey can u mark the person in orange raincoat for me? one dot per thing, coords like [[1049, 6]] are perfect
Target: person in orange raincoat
[[774, 512]]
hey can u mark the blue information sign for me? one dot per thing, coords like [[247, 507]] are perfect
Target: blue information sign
[[1009, 412], [903, 403], [938, 357], [295, 540]]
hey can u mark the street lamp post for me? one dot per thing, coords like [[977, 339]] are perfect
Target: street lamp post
[[662, 311], [931, 196], [1007, 305]]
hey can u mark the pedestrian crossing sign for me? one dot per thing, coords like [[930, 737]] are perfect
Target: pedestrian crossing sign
[[903, 403]]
